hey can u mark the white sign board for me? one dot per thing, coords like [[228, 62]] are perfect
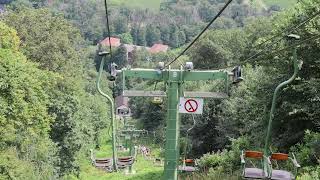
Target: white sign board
[[191, 105]]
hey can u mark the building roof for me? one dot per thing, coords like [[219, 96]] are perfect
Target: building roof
[[115, 42], [122, 101], [156, 48]]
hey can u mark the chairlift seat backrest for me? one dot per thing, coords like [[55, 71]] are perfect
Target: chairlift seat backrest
[[189, 161], [279, 156], [103, 160], [254, 154]]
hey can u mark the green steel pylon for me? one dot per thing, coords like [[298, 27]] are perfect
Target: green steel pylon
[[174, 79]]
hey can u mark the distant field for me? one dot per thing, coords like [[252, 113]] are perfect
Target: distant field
[[281, 3], [145, 4]]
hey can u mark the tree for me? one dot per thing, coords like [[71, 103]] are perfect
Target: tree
[[153, 35], [86, 15], [182, 38], [51, 41], [141, 39], [121, 25], [55, 45], [165, 34], [24, 120], [174, 36], [126, 38], [120, 57]]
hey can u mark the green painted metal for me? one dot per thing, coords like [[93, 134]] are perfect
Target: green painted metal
[[187, 140], [174, 79], [112, 114], [273, 107], [176, 74], [275, 95], [130, 133], [172, 131]]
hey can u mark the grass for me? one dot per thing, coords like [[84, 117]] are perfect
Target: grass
[[145, 169], [281, 3], [144, 4]]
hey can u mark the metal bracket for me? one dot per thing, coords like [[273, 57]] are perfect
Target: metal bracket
[[144, 94], [214, 95]]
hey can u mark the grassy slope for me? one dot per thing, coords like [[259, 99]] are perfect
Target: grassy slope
[[149, 4], [281, 3], [145, 169]]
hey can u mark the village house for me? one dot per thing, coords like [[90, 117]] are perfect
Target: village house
[[115, 42], [157, 48]]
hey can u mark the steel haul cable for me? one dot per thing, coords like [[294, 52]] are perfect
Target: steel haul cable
[[315, 37], [108, 26], [201, 33], [282, 35], [290, 29]]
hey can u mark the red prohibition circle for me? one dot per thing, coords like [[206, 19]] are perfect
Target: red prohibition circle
[[191, 105]]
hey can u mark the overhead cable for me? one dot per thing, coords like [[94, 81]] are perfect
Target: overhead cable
[[108, 25], [201, 33], [282, 35]]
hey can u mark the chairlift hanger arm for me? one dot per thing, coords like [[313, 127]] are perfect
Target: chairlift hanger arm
[[204, 75], [142, 73], [175, 74]]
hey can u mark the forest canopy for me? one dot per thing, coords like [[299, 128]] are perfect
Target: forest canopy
[[51, 114]]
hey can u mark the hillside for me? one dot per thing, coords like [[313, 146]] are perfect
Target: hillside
[[149, 4], [281, 3]]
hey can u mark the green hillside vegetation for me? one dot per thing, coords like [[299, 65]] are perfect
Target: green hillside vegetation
[[281, 3], [143, 4], [51, 114]]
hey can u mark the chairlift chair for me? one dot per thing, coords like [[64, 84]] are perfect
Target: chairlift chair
[[157, 100], [124, 162], [124, 112], [277, 174], [189, 165], [237, 75], [267, 170], [252, 172]]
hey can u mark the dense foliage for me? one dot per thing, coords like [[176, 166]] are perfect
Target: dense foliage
[[51, 113], [175, 24]]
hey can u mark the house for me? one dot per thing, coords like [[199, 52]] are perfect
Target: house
[[122, 106], [115, 42], [157, 48]]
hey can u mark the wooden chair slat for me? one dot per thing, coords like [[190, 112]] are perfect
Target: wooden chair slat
[[254, 154], [279, 156]]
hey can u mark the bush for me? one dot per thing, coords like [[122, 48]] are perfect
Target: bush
[[311, 175], [224, 161], [308, 155]]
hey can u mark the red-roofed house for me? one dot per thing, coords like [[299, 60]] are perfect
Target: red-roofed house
[[156, 48], [122, 106], [115, 42]]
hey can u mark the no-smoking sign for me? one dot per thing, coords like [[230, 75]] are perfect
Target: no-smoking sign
[[191, 105]]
